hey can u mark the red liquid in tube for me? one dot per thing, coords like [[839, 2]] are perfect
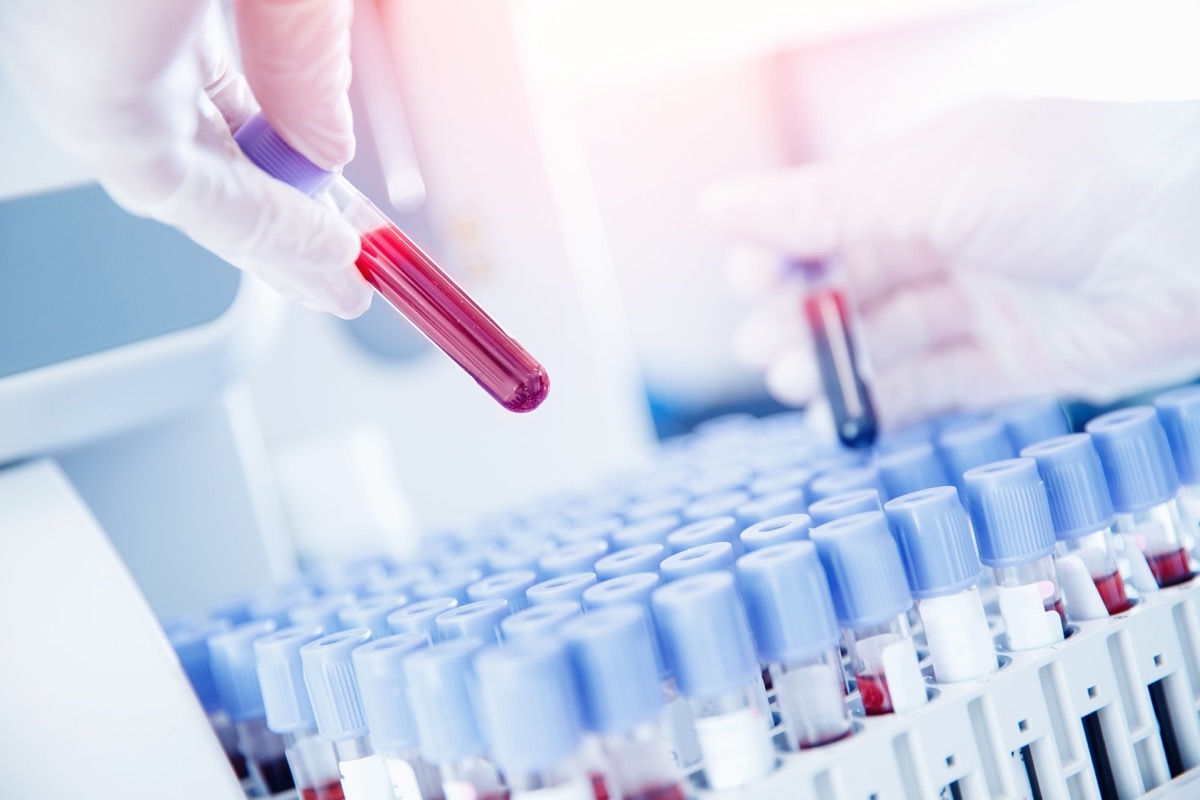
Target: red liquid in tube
[[669, 791], [1112, 592], [876, 698], [330, 791], [1171, 568]]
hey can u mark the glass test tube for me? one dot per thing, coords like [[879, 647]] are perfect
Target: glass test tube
[[776, 530], [1144, 485], [1179, 413], [408, 278]]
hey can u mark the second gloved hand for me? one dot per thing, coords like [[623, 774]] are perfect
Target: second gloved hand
[[1016, 248]]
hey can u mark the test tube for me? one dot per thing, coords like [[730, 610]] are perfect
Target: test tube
[[613, 658], [379, 671], [1179, 413], [508, 586], [408, 278], [769, 506], [706, 636], [972, 443], [1144, 485], [1011, 517], [421, 617], [603, 528], [1028, 422], [1082, 511], [453, 583], [538, 622], [231, 654], [871, 599], [289, 713], [719, 480], [844, 505], [565, 588], [829, 323], [938, 552], [521, 554], [696, 561], [790, 528], [781, 480], [528, 708], [911, 469], [651, 530], [573, 558], [480, 620], [642, 558], [274, 604], [337, 706], [371, 613], [669, 503], [842, 480], [792, 618], [724, 504], [437, 681], [322, 612], [706, 531]]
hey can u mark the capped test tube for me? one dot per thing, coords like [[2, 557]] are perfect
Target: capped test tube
[[452, 583], [289, 713], [337, 706], [612, 653], [573, 558], [565, 588], [972, 443], [1011, 517], [191, 646], [650, 530], [722, 504], [421, 616], [1179, 413], [934, 536], [791, 614], [769, 506], [508, 586], [529, 710], [1028, 422], [480, 620], [1082, 511], [642, 558], [707, 640], [371, 613], [379, 670], [706, 531], [696, 561], [322, 612], [911, 469], [871, 599], [1144, 485], [437, 683], [844, 479], [782, 480], [845, 504], [517, 555], [538, 622]]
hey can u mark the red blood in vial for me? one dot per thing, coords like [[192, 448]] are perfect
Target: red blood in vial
[[330, 791], [670, 791], [1057, 608], [599, 786], [418, 289], [277, 775], [1112, 592], [808, 744], [1170, 568], [873, 690], [238, 762]]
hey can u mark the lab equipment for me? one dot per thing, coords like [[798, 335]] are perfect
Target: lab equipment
[[706, 531], [538, 622], [871, 599], [478, 620], [1144, 485], [934, 536], [322, 612], [517, 555], [1011, 517], [451, 583], [768, 506], [715, 505], [379, 669], [791, 615], [508, 586], [842, 479], [421, 616], [911, 468], [408, 278], [1179, 413], [790, 528], [783, 479], [647, 530], [1031, 421], [972, 443], [1082, 511], [565, 588], [289, 713], [706, 639], [642, 558], [573, 558], [697, 560], [613, 658], [371, 613], [836, 506], [190, 642], [828, 321]]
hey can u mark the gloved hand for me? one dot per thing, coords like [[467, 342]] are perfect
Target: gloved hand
[[1016, 248], [144, 92]]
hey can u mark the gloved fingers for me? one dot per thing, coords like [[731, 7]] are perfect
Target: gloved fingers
[[222, 82], [957, 377], [296, 58], [773, 326], [792, 377], [913, 321]]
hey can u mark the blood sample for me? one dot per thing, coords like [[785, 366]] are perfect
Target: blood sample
[[1082, 510], [934, 537], [777, 530], [408, 278], [871, 599], [844, 504], [1144, 485], [795, 630], [328, 791], [1013, 527]]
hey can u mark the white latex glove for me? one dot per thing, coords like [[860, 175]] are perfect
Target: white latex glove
[[1016, 248], [145, 93]]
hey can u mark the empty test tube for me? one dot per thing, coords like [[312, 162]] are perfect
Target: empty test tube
[[421, 616], [844, 505], [791, 615], [289, 713], [379, 671], [508, 586], [437, 683], [777, 530], [934, 536], [612, 653], [1179, 413], [1011, 517], [565, 588], [706, 636], [871, 599], [696, 561], [769, 506], [707, 531], [480, 620], [1082, 511]]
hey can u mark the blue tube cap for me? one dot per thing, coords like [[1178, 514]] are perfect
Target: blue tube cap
[[1032, 421], [660, 505], [769, 506], [516, 556], [934, 536], [1010, 512], [421, 617], [790, 528], [322, 612], [704, 629], [438, 694], [281, 678], [333, 686], [643, 558], [508, 586], [572, 558], [967, 445], [1137, 460], [566, 588], [782, 480], [274, 604], [840, 481], [528, 704], [697, 560], [1179, 413], [453, 583], [612, 652], [864, 569], [270, 153], [719, 481], [707, 531], [479, 620], [788, 602], [652, 530], [602, 529], [912, 469], [1070, 468], [379, 669], [538, 621], [371, 613], [633, 590], [231, 656], [845, 504], [190, 643], [715, 505]]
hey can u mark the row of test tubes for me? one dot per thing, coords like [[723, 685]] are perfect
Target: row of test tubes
[[752, 592]]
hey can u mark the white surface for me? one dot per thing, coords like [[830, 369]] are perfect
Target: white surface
[[94, 703]]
